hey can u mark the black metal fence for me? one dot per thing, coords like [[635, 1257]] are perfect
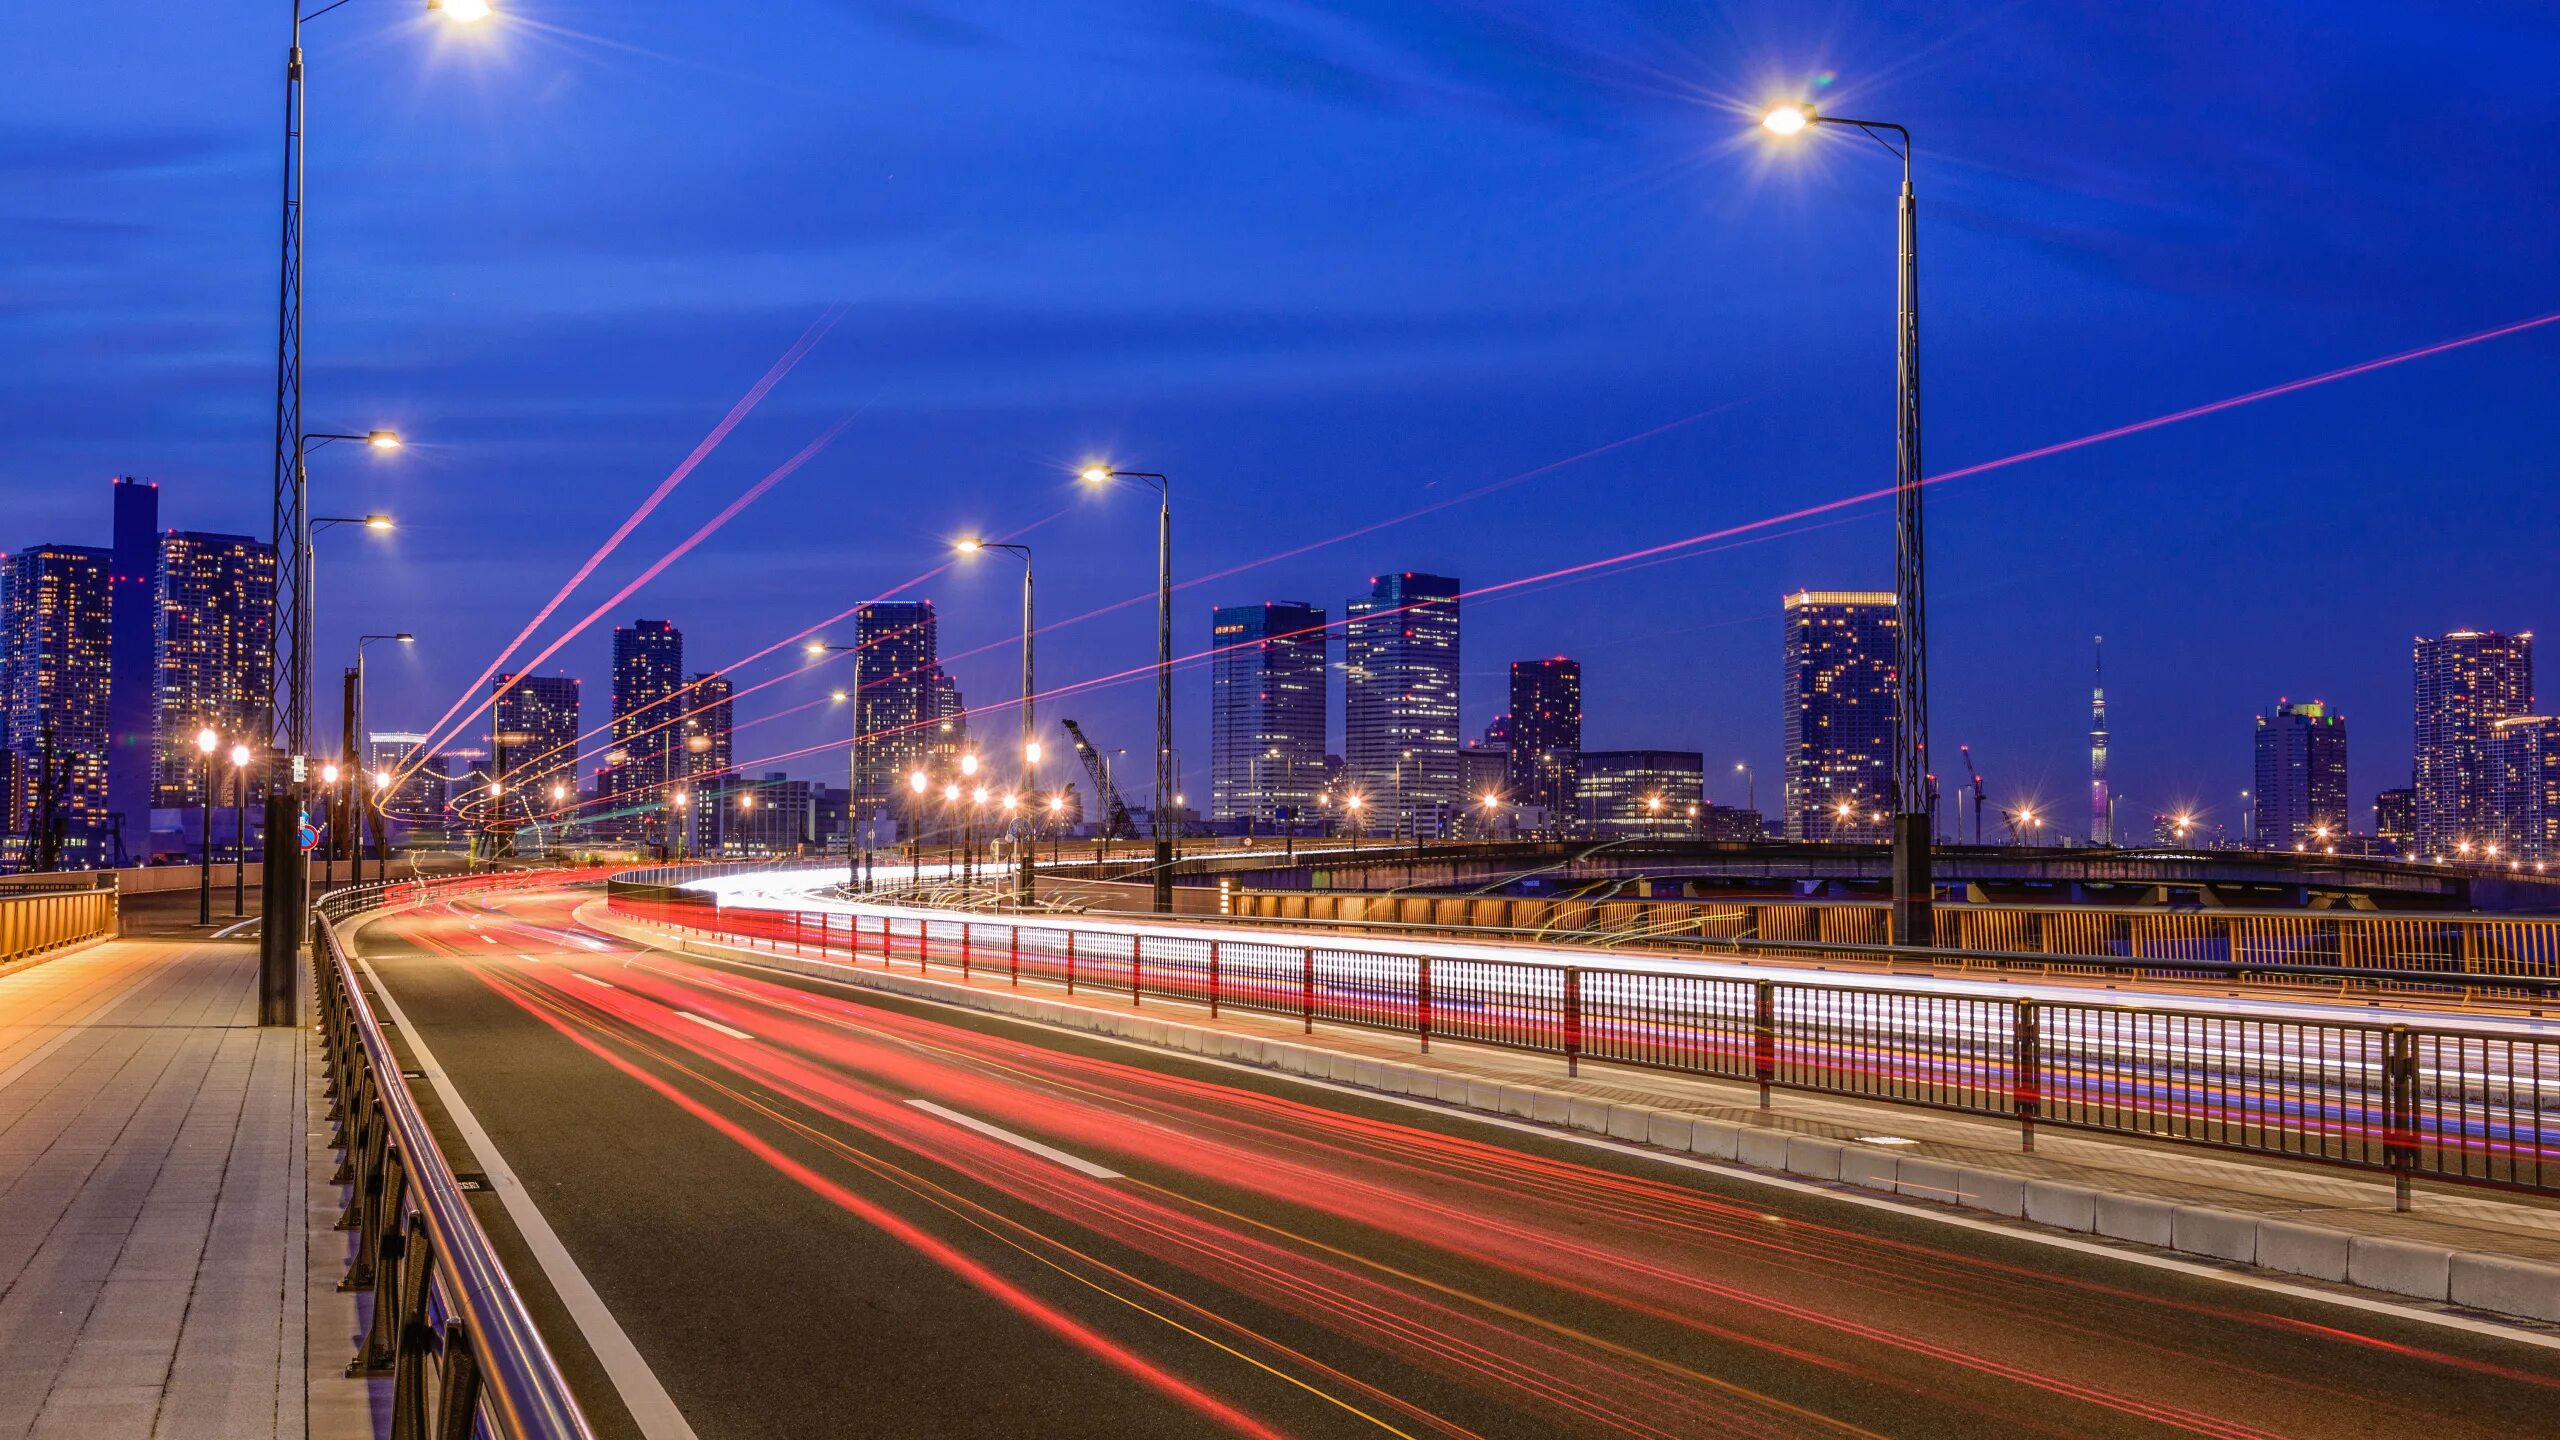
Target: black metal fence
[[2473, 1106]]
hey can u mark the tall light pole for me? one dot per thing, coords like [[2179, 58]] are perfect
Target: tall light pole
[[240, 758], [1102, 475], [856, 852], [1030, 734], [1750, 790], [355, 729], [289, 683], [1913, 890]]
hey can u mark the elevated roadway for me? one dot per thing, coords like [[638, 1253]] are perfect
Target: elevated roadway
[[810, 1209]]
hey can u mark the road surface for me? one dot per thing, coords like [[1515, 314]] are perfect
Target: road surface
[[816, 1210]]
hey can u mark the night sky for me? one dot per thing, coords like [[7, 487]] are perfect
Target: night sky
[[1327, 264]]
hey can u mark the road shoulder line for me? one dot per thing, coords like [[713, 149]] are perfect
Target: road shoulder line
[[652, 1409]]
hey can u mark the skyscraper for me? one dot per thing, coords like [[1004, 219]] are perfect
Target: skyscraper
[[212, 649], [648, 671], [2464, 682], [1546, 738], [900, 658], [2102, 810], [54, 685], [1267, 693], [1837, 698], [132, 621], [537, 741], [2301, 794], [2524, 761], [1400, 702]]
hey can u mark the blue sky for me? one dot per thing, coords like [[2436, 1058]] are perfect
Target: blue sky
[[1326, 264]]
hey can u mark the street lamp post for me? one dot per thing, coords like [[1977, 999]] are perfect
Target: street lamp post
[[1913, 889], [1030, 734], [354, 730], [1102, 474], [289, 683], [856, 852], [207, 741], [239, 825], [1750, 790]]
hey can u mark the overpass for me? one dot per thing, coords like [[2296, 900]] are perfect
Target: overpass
[[1699, 869]]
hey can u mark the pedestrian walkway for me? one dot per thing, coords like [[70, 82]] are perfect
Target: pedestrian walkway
[[155, 1218], [2305, 1218]]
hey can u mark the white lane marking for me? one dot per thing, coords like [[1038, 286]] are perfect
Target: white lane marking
[[652, 1409], [1019, 1142], [715, 1025], [227, 931], [2245, 1281], [590, 979]]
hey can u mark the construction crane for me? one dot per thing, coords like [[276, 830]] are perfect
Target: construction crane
[[1116, 824], [1966, 751]]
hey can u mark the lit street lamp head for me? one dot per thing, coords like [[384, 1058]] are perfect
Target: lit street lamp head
[[405, 638], [969, 547], [1789, 119], [1095, 474], [208, 740], [329, 774], [377, 522], [240, 758], [383, 439], [917, 782], [463, 12]]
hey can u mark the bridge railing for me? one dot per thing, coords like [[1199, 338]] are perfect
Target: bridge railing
[[2426, 948], [2474, 1107], [447, 1323], [47, 915]]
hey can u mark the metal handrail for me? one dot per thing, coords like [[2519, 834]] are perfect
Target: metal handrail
[[440, 1293]]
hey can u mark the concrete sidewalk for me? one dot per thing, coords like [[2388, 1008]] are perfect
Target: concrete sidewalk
[[2473, 1248], [157, 1210]]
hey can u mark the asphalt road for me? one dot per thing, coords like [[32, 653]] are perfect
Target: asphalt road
[[818, 1211]]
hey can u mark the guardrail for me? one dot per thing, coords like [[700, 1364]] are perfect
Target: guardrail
[[43, 918], [2465, 1106], [447, 1324]]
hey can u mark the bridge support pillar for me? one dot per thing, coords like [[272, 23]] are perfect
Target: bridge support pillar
[[1914, 922]]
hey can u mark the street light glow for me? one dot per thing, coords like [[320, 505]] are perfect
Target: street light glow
[[1031, 752], [917, 782], [377, 522], [207, 740], [464, 12], [968, 764], [329, 774], [1096, 474], [239, 756], [970, 547], [951, 792], [390, 439], [1788, 119]]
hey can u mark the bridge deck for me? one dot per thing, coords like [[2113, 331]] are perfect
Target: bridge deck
[[156, 1221]]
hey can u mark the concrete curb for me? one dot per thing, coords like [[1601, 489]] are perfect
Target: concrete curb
[[2504, 1284]]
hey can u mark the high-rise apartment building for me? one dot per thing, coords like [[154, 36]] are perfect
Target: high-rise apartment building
[[1640, 793], [1546, 738], [1837, 701], [213, 649], [1400, 703], [2301, 794], [2524, 762], [898, 651], [537, 742], [1267, 694], [54, 687], [648, 720], [2464, 683]]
